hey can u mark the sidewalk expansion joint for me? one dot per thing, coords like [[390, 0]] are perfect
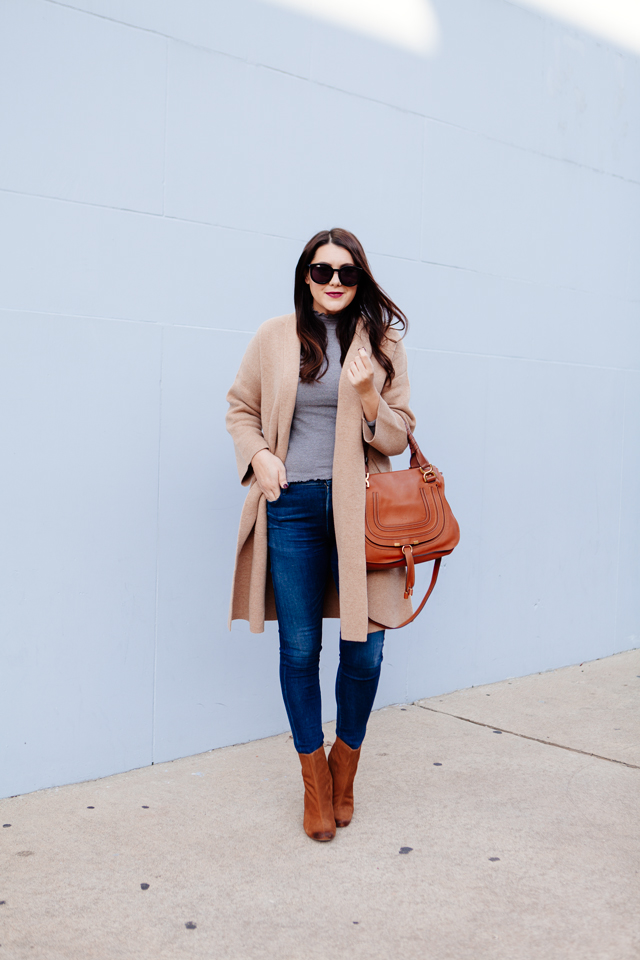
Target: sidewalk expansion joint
[[524, 736]]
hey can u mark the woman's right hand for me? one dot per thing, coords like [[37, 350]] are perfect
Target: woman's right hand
[[270, 473]]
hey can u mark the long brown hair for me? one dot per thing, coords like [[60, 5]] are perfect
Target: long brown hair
[[377, 310]]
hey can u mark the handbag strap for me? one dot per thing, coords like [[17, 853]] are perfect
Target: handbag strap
[[418, 458], [434, 577]]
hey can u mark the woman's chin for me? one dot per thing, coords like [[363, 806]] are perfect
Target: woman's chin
[[332, 306]]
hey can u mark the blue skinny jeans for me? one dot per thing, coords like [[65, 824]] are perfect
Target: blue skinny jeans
[[302, 554]]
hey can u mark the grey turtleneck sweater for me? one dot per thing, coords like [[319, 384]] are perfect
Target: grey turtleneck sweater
[[313, 429]]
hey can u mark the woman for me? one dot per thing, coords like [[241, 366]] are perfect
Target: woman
[[315, 390]]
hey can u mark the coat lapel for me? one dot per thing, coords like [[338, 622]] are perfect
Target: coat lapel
[[349, 500], [349, 407], [290, 375]]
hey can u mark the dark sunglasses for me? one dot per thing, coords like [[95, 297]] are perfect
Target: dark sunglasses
[[323, 273]]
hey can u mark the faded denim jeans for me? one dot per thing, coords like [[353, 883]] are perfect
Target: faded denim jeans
[[302, 552]]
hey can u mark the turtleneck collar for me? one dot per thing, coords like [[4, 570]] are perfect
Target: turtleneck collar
[[325, 317]]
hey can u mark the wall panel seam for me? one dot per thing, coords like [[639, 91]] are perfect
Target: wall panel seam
[[620, 493], [81, 203], [505, 356], [319, 83], [162, 324], [276, 236], [157, 591], [164, 139]]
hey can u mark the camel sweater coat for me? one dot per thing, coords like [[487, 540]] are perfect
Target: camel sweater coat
[[261, 406]]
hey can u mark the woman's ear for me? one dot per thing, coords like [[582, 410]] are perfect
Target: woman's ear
[[306, 277]]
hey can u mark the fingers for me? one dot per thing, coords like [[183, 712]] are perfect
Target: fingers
[[364, 357], [363, 360], [360, 370], [270, 491], [356, 376], [282, 476], [271, 476]]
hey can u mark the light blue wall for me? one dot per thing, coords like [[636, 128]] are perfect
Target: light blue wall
[[162, 165]]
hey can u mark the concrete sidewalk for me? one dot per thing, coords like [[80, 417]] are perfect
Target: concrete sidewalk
[[499, 822]]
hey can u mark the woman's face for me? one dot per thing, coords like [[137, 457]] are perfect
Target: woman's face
[[331, 297]]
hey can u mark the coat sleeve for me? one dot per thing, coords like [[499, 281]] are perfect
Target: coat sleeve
[[394, 413], [244, 417]]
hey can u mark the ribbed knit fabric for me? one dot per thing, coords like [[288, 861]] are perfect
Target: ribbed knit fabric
[[313, 429]]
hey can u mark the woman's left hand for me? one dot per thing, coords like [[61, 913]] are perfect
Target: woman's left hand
[[360, 373]]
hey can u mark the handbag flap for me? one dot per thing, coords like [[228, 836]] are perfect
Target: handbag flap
[[404, 508]]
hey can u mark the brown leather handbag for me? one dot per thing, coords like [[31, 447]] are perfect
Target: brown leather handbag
[[408, 521]]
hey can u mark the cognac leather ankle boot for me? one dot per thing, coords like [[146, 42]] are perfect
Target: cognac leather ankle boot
[[343, 763], [319, 823]]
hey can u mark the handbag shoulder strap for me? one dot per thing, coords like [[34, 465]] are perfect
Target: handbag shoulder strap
[[434, 577]]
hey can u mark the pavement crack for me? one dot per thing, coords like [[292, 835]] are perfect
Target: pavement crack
[[524, 736]]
